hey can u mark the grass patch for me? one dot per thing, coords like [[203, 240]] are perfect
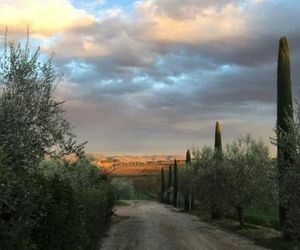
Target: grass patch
[[121, 203], [263, 217], [267, 237], [143, 195]]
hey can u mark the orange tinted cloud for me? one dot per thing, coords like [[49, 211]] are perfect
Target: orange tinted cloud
[[43, 17], [203, 25]]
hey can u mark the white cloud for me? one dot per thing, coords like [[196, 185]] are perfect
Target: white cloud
[[198, 25], [43, 17]]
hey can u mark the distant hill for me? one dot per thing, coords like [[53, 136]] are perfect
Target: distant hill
[[135, 164]]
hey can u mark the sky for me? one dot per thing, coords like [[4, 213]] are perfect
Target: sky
[[153, 76]]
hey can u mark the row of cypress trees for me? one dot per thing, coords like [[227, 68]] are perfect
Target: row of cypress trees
[[170, 195], [172, 189], [286, 149]]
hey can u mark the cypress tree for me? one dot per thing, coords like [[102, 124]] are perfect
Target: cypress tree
[[162, 185], [216, 211], [284, 117], [188, 198], [170, 184], [170, 177], [218, 138], [175, 190], [188, 159]]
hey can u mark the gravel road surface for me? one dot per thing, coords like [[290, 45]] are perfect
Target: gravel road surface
[[148, 225]]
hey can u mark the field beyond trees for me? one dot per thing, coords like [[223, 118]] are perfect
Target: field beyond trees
[[135, 165]]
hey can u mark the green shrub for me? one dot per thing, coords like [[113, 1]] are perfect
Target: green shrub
[[123, 188], [61, 210], [264, 217], [96, 204]]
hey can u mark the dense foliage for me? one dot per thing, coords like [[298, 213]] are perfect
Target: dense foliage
[[51, 204], [251, 175], [242, 176], [55, 207], [123, 188], [289, 178]]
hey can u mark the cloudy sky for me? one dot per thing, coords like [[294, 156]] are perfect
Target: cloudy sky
[[153, 76]]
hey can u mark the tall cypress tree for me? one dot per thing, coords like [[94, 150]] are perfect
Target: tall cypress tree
[[284, 118], [162, 185], [175, 186], [216, 210]]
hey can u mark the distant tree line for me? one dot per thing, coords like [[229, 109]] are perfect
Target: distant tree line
[[242, 174]]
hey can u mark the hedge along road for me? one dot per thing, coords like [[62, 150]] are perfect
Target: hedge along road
[[148, 225]]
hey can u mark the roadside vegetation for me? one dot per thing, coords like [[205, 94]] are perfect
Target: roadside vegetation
[[241, 181], [135, 187], [45, 201]]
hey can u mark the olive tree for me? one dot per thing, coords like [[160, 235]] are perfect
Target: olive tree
[[250, 174], [32, 121], [187, 184], [290, 178], [208, 191]]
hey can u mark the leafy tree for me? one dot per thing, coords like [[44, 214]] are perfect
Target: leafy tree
[[65, 205], [32, 121], [123, 188], [290, 178], [187, 177], [250, 174], [205, 178]]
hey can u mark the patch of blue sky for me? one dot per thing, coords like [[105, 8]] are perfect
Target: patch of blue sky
[[225, 68], [159, 85], [140, 79], [229, 69], [96, 6], [108, 82], [78, 68], [122, 3], [177, 79]]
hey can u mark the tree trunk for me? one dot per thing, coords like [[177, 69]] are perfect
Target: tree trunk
[[192, 202], [186, 202], [215, 213], [175, 186], [240, 213], [162, 185]]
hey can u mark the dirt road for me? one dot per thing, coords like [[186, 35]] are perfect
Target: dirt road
[[147, 225]]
